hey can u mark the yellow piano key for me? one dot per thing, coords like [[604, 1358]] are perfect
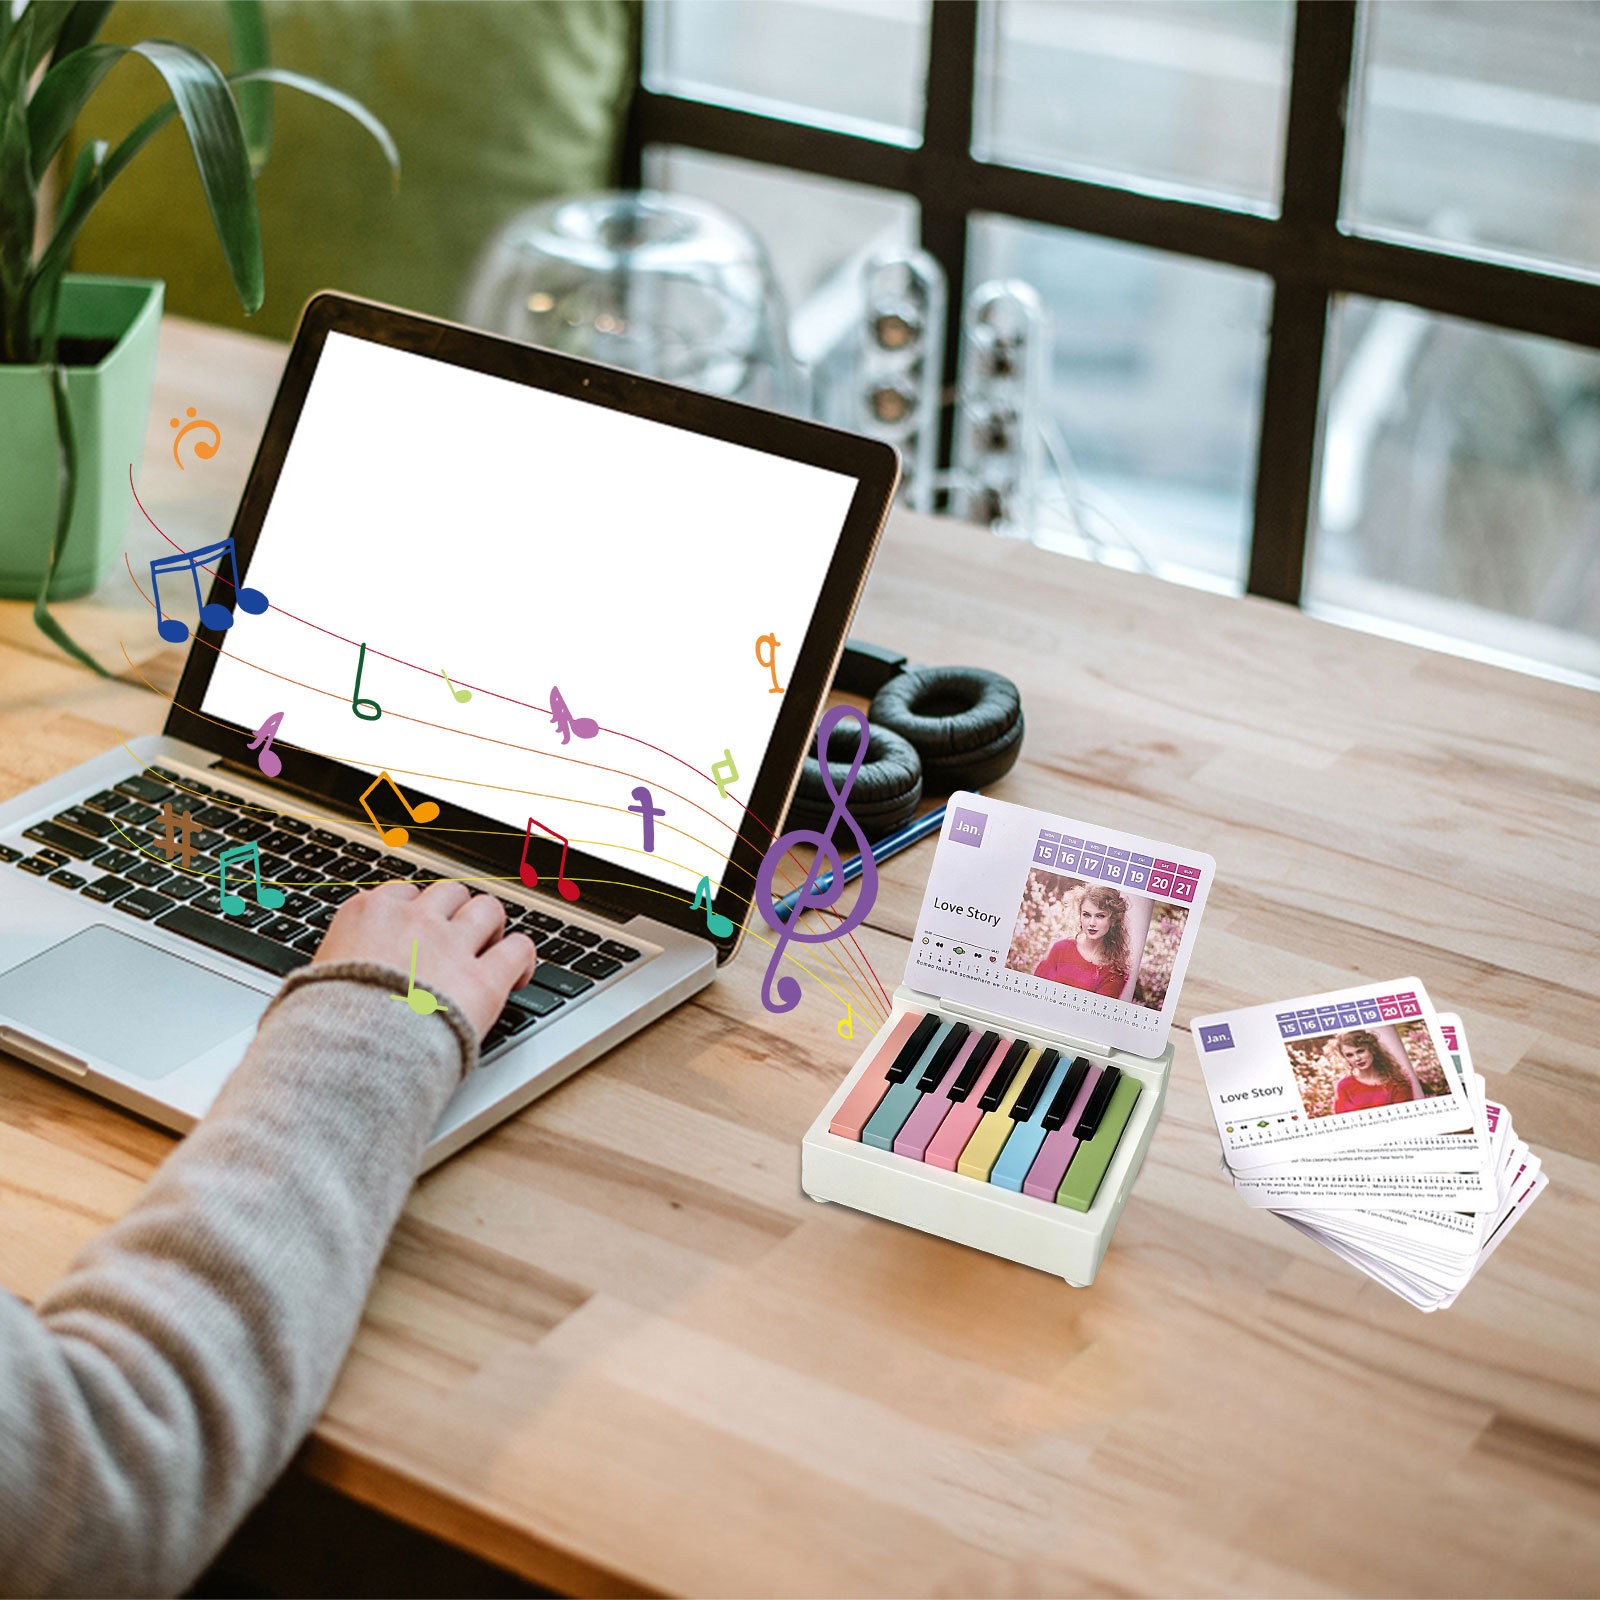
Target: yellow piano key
[[989, 1137]]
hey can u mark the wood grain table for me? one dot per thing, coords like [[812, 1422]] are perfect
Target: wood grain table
[[615, 1348]]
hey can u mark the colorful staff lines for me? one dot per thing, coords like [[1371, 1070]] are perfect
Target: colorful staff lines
[[506, 744], [867, 1003]]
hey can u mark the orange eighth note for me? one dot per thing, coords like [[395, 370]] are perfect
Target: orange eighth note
[[424, 811]]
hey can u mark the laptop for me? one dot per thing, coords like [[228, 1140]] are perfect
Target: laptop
[[490, 606]]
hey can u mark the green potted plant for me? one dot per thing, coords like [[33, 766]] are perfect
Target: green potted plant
[[77, 353]]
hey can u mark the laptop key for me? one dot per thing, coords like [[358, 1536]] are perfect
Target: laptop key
[[117, 860], [284, 929], [40, 866], [182, 887], [540, 920], [87, 821], [332, 894], [281, 843], [300, 906], [595, 965], [252, 830], [309, 942], [563, 982], [146, 789], [540, 1002], [315, 855], [293, 825], [559, 951], [325, 836], [147, 874], [144, 904], [362, 852], [319, 919], [67, 840], [106, 889], [8, 854], [580, 936], [514, 1018], [251, 917], [222, 934], [210, 902], [619, 952], [67, 880], [396, 868], [137, 815], [215, 817], [108, 801]]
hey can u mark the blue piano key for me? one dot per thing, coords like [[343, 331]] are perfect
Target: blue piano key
[[1012, 1165], [901, 1100]]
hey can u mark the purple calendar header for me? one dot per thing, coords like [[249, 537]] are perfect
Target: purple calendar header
[[1088, 858], [1347, 1014]]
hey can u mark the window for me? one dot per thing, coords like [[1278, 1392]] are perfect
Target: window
[[1323, 278]]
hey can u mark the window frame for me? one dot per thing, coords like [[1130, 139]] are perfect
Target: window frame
[[1304, 253]]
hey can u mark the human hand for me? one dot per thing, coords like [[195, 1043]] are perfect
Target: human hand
[[460, 948]]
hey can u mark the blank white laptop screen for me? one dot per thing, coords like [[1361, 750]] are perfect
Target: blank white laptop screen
[[521, 541]]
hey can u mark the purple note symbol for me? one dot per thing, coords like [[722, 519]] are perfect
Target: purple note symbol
[[214, 614], [269, 761], [566, 723]]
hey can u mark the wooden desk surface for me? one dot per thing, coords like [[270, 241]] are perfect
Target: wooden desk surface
[[616, 1348]]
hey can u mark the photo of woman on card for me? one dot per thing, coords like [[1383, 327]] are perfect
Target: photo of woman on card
[[1364, 1068], [1097, 958]]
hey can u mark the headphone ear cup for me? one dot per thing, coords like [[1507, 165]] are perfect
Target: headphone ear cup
[[964, 722], [885, 795]]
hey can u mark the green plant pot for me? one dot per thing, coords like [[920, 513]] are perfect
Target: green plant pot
[[110, 404]]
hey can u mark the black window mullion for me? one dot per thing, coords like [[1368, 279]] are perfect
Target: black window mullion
[[1313, 166]]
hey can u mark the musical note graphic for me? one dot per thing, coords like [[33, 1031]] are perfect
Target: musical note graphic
[[566, 723], [202, 449], [647, 812], [269, 762], [717, 925], [420, 1001], [233, 904], [828, 860], [423, 811], [565, 887], [717, 776], [212, 615], [178, 829], [770, 661], [462, 695], [357, 700], [847, 1023]]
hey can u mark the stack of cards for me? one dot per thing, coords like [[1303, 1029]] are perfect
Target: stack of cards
[[1357, 1117]]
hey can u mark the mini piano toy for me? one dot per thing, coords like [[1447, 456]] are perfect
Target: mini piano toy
[[1009, 1099]]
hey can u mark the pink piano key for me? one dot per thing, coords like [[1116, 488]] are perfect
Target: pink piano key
[[1059, 1147], [945, 1147], [923, 1123], [862, 1101]]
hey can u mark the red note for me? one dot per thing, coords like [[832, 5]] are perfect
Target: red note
[[567, 889]]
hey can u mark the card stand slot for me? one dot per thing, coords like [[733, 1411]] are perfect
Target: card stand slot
[[1036, 1233]]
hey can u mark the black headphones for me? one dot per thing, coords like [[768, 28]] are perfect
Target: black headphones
[[930, 729]]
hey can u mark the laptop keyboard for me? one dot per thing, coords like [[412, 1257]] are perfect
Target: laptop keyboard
[[108, 850]]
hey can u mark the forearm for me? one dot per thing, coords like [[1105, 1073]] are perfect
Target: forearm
[[168, 1378]]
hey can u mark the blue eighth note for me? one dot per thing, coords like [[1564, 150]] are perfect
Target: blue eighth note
[[213, 614]]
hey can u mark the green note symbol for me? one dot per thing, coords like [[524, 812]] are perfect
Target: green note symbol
[[719, 926], [420, 1001]]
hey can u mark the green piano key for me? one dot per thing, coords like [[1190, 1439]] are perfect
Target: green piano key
[[1094, 1155]]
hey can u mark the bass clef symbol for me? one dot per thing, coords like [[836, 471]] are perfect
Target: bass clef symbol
[[828, 860]]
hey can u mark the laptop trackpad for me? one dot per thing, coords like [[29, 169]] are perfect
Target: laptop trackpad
[[106, 994]]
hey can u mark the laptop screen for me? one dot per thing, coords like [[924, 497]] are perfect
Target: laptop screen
[[602, 585]]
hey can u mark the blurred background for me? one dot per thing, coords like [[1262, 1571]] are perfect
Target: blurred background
[[1296, 300]]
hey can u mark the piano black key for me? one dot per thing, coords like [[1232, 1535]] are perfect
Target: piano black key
[[1022, 1107], [911, 1050], [973, 1069], [1056, 1112], [1089, 1122], [1004, 1073], [942, 1057]]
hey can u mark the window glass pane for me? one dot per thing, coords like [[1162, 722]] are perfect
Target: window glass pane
[[1156, 401], [1477, 123], [859, 65], [1459, 493], [1184, 95]]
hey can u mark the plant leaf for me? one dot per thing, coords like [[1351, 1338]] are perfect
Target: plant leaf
[[211, 119], [81, 27], [18, 195], [60, 98], [334, 97], [44, 293], [247, 37], [49, 18]]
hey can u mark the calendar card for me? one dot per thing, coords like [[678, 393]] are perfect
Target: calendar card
[[1062, 925]]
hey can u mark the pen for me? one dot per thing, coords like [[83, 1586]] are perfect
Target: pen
[[891, 844]]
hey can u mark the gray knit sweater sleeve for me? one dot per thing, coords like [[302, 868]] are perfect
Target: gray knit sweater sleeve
[[161, 1386]]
